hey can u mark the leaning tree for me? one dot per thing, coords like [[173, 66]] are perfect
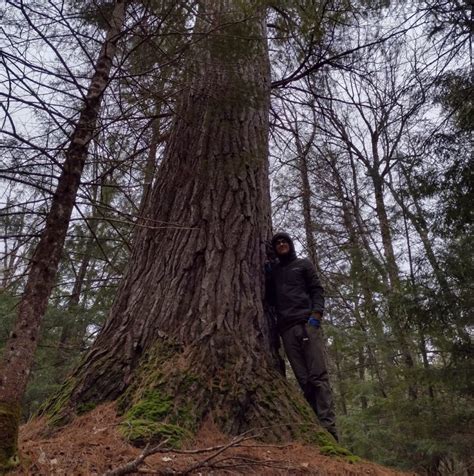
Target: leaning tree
[[188, 336], [18, 355]]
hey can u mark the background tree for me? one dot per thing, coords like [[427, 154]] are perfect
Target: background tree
[[21, 345]]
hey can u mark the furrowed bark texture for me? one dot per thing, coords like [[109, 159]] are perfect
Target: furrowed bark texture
[[20, 348], [195, 278]]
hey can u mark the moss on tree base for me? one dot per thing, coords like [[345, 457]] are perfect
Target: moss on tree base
[[175, 389], [58, 407], [173, 394], [9, 423], [328, 446], [145, 422]]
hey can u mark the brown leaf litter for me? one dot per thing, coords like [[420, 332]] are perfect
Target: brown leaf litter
[[92, 445]]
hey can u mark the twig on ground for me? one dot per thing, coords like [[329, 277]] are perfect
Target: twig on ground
[[133, 466], [205, 461], [241, 461]]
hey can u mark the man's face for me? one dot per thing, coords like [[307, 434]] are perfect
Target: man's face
[[282, 247]]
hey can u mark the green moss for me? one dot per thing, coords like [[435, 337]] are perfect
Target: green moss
[[186, 417], [85, 408], [323, 438], [9, 422], [149, 375], [55, 407], [141, 431], [334, 450], [154, 406], [303, 409], [329, 447], [154, 419]]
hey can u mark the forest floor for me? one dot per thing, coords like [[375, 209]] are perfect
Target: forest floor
[[92, 445]]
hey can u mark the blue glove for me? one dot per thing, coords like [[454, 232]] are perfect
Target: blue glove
[[312, 321]]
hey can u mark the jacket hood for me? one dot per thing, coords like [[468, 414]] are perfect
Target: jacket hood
[[292, 254]]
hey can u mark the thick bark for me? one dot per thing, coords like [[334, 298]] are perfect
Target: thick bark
[[21, 346], [188, 321]]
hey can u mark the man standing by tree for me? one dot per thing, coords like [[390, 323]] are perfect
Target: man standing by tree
[[296, 292]]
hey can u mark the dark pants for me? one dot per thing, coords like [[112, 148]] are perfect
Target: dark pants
[[308, 361]]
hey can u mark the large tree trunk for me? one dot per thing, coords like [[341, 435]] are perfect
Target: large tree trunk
[[188, 327], [21, 346]]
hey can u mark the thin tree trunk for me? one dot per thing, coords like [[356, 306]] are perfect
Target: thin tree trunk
[[11, 258], [426, 363], [422, 343], [306, 202], [150, 165], [362, 230], [71, 334], [339, 376], [360, 277], [20, 348], [306, 194], [385, 231], [361, 358], [396, 311], [420, 225], [188, 324]]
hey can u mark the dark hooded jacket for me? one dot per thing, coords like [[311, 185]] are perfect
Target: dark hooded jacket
[[293, 287]]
